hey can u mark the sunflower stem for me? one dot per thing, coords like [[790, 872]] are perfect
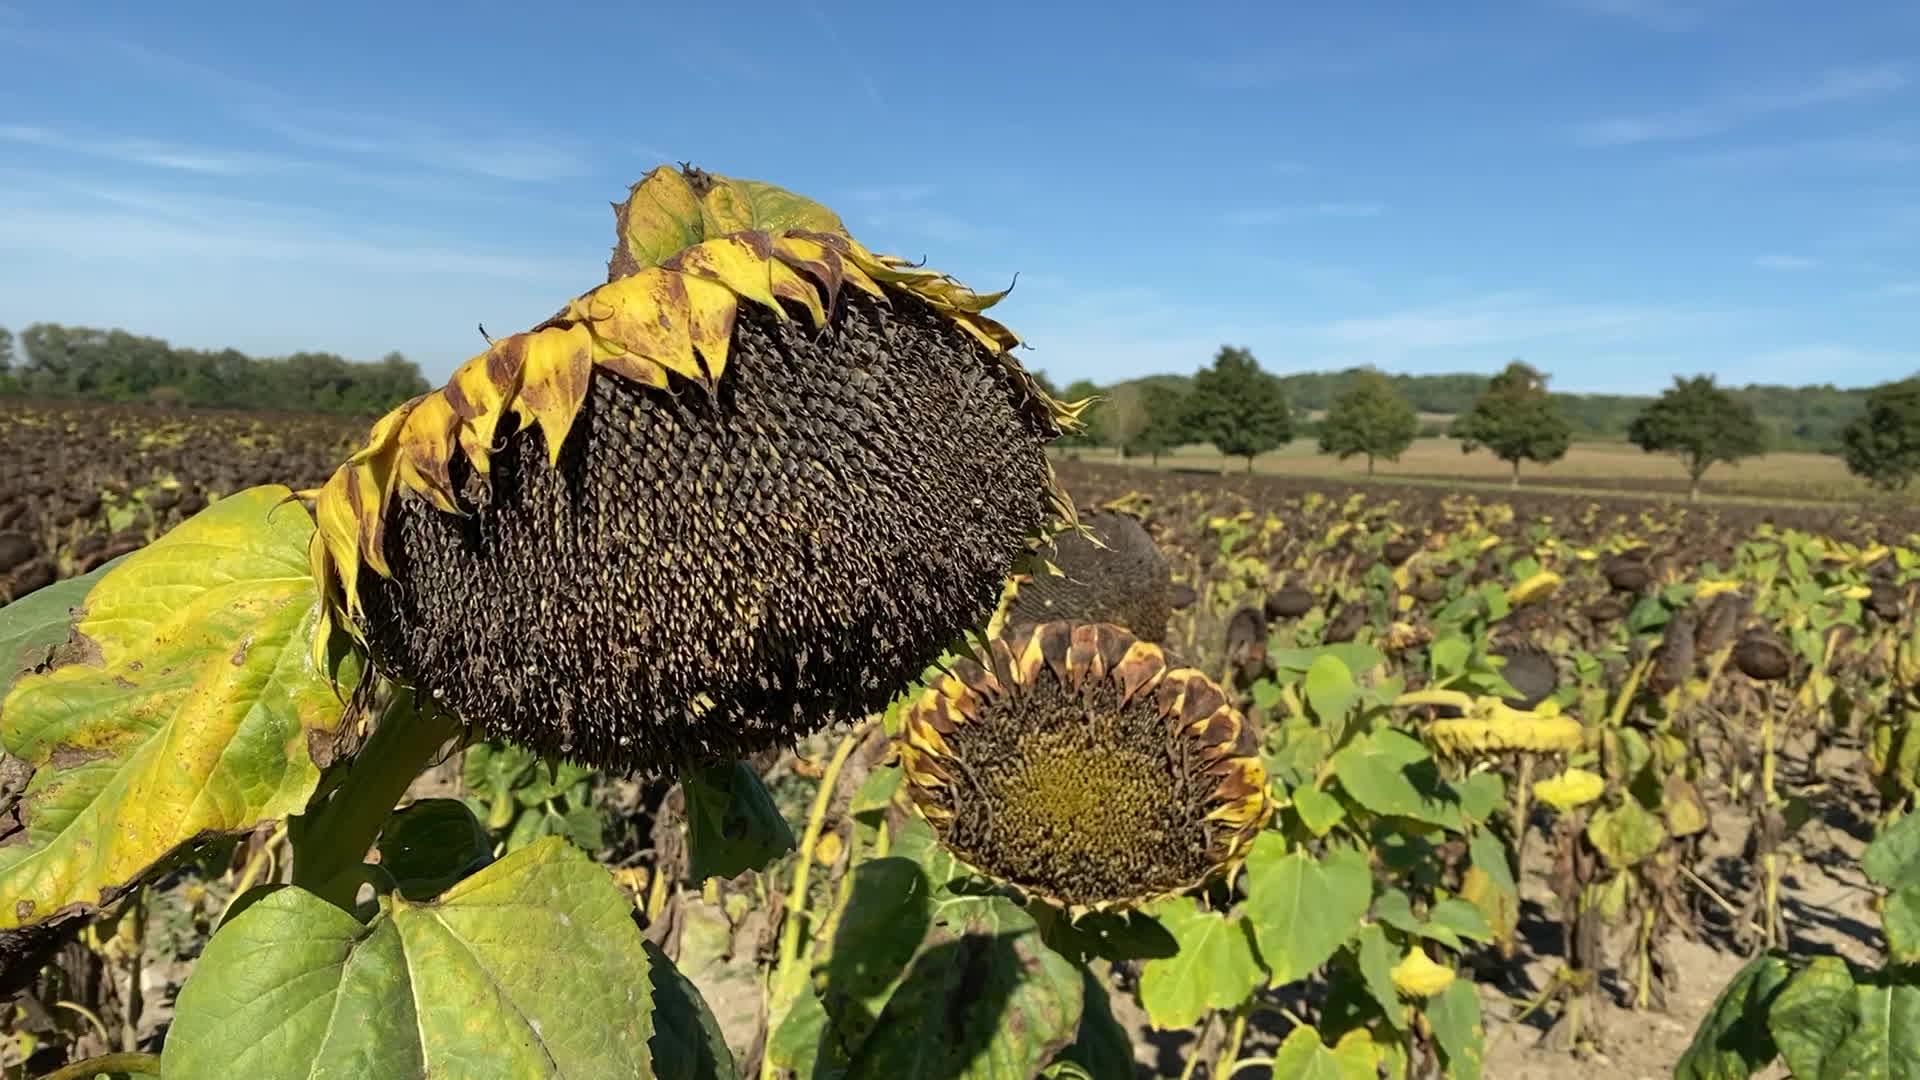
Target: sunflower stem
[[787, 981], [1224, 1065], [331, 839]]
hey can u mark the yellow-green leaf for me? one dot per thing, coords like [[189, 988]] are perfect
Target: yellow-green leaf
[[180, 708], [661, 216]]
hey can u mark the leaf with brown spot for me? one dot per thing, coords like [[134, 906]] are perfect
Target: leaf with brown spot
[[165, 739]]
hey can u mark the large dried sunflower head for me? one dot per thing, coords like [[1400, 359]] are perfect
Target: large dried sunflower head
[[1072, 764], [751, 486]]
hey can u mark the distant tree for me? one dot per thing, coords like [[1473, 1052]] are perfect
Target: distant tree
[[1168, 426], [6, 350], [1702, 424], [1516, 419], [1239, 408], [1045, 383], [1882, 445], [113, 365], [1370, 418]]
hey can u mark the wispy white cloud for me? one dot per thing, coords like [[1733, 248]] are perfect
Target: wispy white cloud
[[218, 161], [1720, 114], [529, 159], [1281, 215], [136, 226], [1834, 152], [1785, 262], [1662, 15]]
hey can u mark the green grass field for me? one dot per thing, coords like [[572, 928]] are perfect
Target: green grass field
[[1597, 466]]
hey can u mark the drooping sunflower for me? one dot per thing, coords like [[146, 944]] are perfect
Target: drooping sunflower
[[750, 486], [1072, 764]]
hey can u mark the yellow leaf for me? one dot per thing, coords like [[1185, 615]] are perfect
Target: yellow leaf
[[660, 217]]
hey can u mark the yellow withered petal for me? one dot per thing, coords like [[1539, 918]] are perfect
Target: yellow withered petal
[[742, 262], [711, 310], [426, 448], [649, 317], [787, 284], [553, 383], [479, 392]]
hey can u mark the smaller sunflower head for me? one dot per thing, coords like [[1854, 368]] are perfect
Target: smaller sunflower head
[[1072, 764]]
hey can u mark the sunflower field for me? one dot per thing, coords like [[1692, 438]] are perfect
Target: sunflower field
[[723, 678]]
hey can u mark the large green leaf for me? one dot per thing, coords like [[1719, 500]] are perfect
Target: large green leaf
[[1733, 1042], [1302, 908], [1330, 690], [687, 1043], [1831, 1026], [732, 823], [1391, 773], [1893, 859], [985, 1000], [1454, 1015], [531, 968], [1214, 969], [1304, 1057], [32, 627], [181, 707]]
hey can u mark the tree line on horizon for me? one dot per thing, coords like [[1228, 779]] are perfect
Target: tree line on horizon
[[1244, 411], [54, 361]]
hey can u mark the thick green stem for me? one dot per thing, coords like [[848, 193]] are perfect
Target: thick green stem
[[1643, 991], [332, 839], [788, 978], [1223, 1066]]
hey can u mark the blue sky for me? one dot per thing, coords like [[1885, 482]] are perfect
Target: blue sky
[[1614, 190]]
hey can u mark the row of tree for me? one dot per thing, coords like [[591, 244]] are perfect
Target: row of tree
[[1244, 411], [54, 361]]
